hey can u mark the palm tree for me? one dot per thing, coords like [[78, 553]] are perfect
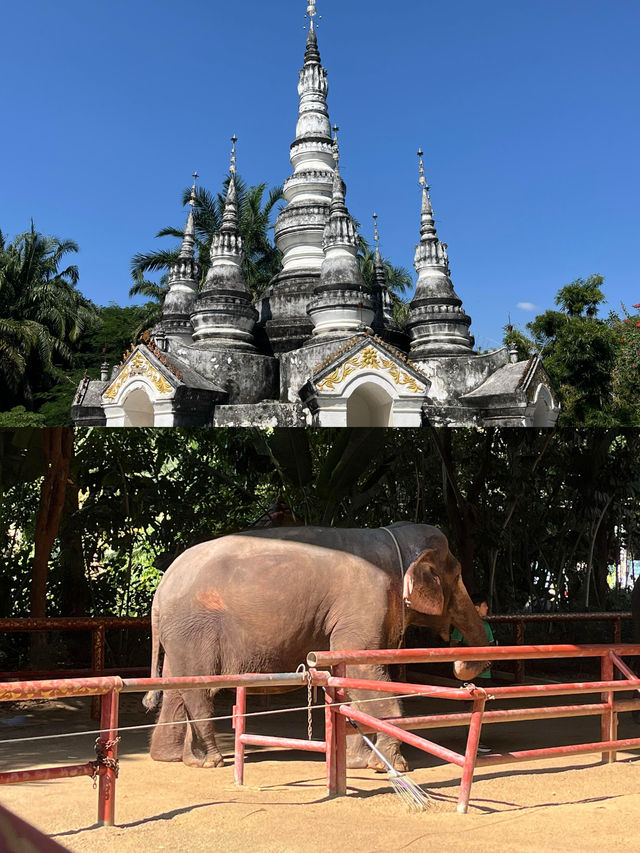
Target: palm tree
[[397, 279], [155, 291], [42, 313], [262, 259]]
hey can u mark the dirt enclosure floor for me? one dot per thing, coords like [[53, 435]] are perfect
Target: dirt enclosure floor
[[568, 804]]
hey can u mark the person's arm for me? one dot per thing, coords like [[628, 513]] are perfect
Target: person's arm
[[456, 638]]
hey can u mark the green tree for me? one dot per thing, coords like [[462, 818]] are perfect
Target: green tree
[[42, 313], [579, 351], [626, 372]]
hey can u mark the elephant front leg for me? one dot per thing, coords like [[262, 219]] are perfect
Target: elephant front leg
[[200, 747], [358, 753]]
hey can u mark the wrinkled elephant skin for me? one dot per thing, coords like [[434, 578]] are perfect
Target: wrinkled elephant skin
[[259, 601]]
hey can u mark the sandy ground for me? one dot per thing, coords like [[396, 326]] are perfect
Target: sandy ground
[[569, 804]]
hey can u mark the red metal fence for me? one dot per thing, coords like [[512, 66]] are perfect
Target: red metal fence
[[338, 709], [607, 708], [100, 624]]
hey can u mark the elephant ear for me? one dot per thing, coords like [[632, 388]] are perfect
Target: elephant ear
[[422, 588]]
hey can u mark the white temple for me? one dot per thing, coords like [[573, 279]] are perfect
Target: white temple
[[318, 348]]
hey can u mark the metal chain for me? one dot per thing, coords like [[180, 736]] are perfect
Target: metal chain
[[103, 760], [310, 688], [309, 700]]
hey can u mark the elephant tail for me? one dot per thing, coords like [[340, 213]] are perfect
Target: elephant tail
[[153, 698]]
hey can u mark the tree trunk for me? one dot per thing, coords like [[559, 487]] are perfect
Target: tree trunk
[[58, 450]]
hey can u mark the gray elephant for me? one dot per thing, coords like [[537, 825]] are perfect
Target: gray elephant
[[259, 601]]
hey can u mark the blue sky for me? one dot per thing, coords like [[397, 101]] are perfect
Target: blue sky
[[527, 111]]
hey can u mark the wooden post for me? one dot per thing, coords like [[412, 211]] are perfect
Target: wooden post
[[97, 664], [519, 641]]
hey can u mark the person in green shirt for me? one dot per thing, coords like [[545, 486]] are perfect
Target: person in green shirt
[[482, 606], [484, 679]]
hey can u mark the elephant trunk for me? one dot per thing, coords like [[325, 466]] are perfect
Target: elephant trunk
[[466, 619]]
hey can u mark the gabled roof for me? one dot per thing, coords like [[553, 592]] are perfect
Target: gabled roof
[[166, 373], [369, 351], [518, 381]]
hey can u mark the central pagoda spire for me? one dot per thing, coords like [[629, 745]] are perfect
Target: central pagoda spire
[[300, 226]]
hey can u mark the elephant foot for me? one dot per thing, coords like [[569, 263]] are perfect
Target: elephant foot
[[214, 759], [398, 762], [166, 756], [357, 762]]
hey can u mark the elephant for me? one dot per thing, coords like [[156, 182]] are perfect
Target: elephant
[[260, 600]]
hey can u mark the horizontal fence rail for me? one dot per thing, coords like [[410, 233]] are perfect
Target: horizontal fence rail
[[608, 686], [340, 706], [100, 624]]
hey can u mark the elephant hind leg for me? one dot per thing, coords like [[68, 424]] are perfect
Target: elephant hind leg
[[200, 747], [167, 740]]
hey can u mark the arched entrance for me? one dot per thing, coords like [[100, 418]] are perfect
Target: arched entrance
[[138, 409], [369, 406], [542, 414]]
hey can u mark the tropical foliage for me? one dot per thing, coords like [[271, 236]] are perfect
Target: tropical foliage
[[593, 362], [42, 313], [90, 519]]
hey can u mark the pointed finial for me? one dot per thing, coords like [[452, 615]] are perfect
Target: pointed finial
[[336, 144], [192, 197], [376, 236], [423, 181], [232, 167], [312, 12]]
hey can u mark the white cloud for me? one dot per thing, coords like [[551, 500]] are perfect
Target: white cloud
[[527, 306]]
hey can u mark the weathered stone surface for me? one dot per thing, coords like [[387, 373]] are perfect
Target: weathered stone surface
[[246, 377], [453, 376], [86, 409], [298, 366], [261, 415]]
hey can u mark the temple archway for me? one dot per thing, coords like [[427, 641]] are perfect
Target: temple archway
[[543, 415], [369, 406], [138, 409]]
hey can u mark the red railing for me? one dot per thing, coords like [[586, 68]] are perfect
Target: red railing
[[108, 688], [338, 709], [98, 626], [607, 708], [519, 620]]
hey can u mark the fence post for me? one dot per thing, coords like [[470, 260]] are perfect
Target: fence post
[[340, 734], [97, 664], [108, 755], [330, 740], [519, 641], [617, 630], [471, 753], [609, 719], [239, 720]]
